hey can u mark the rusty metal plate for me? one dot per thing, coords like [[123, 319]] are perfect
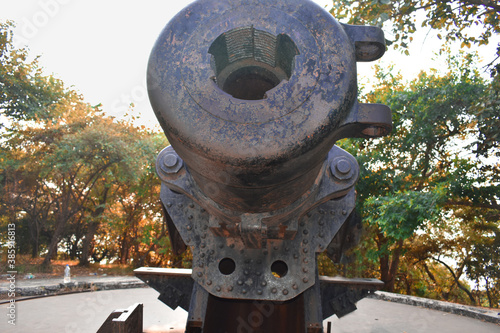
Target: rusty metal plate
[[247, 257], [246, 143], [339, 295]]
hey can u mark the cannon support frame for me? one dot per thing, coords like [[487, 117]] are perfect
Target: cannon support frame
[[253, 95]]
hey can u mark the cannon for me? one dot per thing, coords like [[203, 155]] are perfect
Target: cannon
[[252, 96]]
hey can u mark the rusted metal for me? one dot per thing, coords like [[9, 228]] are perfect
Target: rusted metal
[[253, 243], [331, 295], [252, 96], [128, 320], [249, 154]]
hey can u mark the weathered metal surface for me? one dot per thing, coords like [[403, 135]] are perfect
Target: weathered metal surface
[[128, 320], [346, 238], [329, 296], [253, 95], [175, 290], [340, 295], [261, 256], [251, 154]]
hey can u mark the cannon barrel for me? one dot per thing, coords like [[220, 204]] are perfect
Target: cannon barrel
[[252, 96]]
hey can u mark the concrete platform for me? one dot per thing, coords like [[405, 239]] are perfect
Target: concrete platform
[[85, 312], [35, 287]]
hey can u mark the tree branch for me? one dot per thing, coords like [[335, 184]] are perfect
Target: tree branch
[[486, 3], [471, 297]]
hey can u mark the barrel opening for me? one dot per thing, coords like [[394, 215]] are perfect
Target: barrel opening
[[248, 62]]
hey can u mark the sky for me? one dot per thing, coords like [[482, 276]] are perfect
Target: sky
[[101, 48]]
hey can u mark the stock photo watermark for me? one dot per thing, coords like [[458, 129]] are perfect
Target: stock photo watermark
[[255, 319], [11, 273], [135, 95], [122, 105], [31, 25]]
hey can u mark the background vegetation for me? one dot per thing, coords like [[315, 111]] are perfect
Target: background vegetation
[[81, 185]]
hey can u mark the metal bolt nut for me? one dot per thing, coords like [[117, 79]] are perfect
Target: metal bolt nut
[[341, 168], [169, 162]]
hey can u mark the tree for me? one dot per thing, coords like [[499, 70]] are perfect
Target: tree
[[134, 228], [456, 18], [25, 92], [487, 112], [72, 169], [65, 165], [419, 173]]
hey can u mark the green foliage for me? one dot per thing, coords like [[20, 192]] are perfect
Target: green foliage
[[400, 214], [25, 93], [72, 177], [487, 112], [459, 19], [483, 260], [425, 174]]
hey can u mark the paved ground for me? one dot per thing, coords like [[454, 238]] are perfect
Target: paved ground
[[85, 312], [25, 287]]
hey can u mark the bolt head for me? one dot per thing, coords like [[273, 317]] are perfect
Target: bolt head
[[343, 166], [170, 160]]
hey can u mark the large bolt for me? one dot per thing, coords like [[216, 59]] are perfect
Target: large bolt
[[169, 162], [341, 168]]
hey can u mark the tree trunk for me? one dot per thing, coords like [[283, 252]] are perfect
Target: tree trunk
[[384, 268], [35, 246], [389, 268], [444, 294], [396, 258], [56, 237], [456, 278], [62, 217], [124, 249], [87, 240], [92, 228], [35, 236], [488, 294]]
